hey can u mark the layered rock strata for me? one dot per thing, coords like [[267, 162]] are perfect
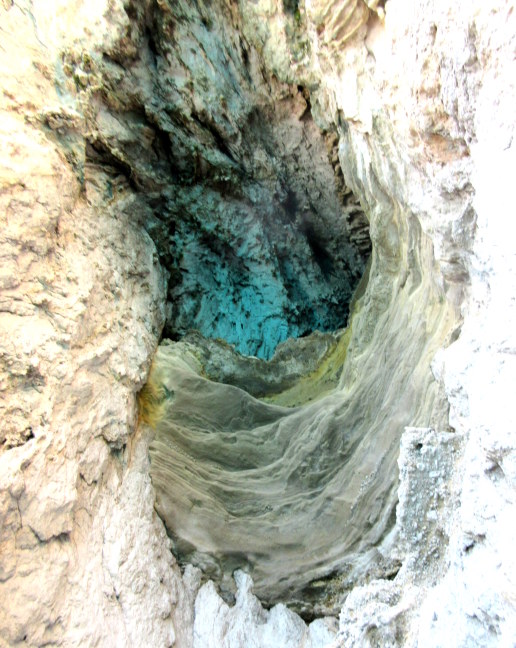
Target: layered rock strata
[[420, 97]]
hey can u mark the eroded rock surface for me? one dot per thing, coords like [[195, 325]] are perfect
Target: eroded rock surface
[[240, 189], [83, 554], [417, 103], [246, 484]]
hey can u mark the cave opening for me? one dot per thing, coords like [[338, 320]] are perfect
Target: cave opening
[[271, 248], [261, 452], [239, 238], [265, 254]]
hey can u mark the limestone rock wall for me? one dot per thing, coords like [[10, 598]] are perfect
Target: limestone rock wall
[[420, 97], [83, 555]]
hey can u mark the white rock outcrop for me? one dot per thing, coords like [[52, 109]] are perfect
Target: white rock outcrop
[[247, 623], [421, 96]]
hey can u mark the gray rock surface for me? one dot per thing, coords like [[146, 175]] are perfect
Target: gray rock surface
[[417, 103]]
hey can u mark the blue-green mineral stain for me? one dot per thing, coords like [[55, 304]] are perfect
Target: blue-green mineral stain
[[258, 310], [255, 279]]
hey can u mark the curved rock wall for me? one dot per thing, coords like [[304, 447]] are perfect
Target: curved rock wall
[[83, 554], [276, 490], [422, 102]]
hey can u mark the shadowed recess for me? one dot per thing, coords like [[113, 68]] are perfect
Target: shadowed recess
[[241, 191]]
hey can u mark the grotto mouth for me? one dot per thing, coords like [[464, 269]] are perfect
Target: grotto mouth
[[237, 367], [168, 165], [275, 430], [263, 269]]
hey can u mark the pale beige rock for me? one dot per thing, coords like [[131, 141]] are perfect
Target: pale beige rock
[[81, 308]]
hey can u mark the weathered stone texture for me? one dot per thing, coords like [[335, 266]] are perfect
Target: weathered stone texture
[[417, 103]]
